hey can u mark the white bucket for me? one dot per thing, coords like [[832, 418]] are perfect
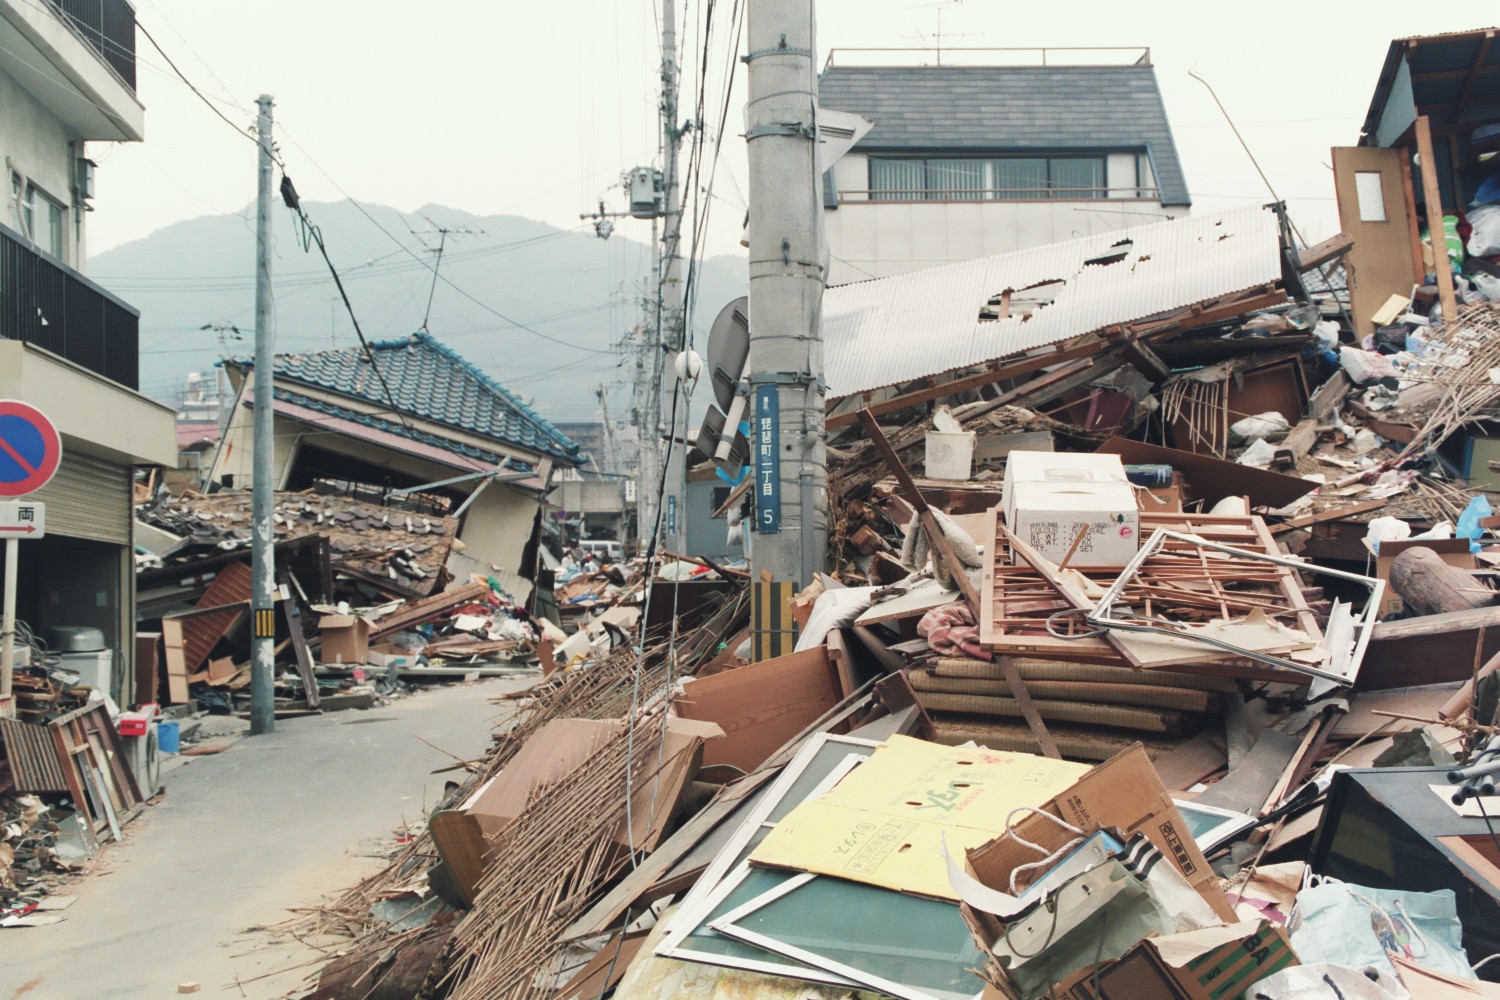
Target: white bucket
[[950, 455]]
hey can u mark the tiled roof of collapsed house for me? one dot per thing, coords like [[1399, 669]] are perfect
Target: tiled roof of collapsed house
[[429, 380], [908, 326], [1010, 108]]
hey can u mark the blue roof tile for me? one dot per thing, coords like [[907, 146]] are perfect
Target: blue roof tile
[[427, 380]]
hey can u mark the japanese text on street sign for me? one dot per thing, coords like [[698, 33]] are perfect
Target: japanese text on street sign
[[671, 515], [767, 462], [22, 519], [30, 449]]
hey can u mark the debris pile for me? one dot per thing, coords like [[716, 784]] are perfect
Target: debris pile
[[1144, 666]]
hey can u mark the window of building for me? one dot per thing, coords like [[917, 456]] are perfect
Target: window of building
[[986, 178], [40, 217]]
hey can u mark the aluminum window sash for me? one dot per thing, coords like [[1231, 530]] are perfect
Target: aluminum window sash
[[709, 891], [1099, 615], [727, 926]]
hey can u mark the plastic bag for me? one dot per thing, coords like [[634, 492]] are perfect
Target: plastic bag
[[1355, 925], [1258, 455], [1385, 529], [1365, 367], [1484, 241], [1263, 425], [1324, 981], [1468, 522]]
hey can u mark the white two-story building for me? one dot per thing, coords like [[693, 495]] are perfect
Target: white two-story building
[[966, 161]]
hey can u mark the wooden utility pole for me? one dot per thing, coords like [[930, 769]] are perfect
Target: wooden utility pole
[[786, 294]]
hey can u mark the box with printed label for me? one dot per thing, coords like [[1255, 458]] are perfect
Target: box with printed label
[[1050, 517]]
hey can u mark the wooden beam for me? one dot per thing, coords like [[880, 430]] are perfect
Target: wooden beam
[[1434, 198], [1321, 253], [1471, 77], [1022, 366], [943, 550], [1331, 514], [1413, 229]]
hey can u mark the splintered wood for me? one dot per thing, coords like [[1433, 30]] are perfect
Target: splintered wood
[[1033, 608]]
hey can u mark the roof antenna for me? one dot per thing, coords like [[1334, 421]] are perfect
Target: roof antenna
[[442, 232]]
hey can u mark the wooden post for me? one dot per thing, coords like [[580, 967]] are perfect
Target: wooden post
[[1432, 194], [942, 550], [1430, 586]]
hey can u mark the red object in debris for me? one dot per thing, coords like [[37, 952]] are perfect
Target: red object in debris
[[134, 723]]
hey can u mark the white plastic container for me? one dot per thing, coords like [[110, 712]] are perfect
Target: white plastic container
[[950, 455]]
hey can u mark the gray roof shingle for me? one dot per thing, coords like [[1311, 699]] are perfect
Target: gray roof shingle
[[962, 108]]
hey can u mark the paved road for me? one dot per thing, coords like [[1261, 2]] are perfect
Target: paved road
[[274, 821]]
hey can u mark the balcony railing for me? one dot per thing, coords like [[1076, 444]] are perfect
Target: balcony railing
[[1001, 194], [109, 27], [52, 306]]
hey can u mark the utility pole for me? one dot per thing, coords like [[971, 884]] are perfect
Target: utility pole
[[669, 313], [786, 295], [263, 551]]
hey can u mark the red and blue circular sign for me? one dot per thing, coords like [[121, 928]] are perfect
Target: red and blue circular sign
[[30, 449]]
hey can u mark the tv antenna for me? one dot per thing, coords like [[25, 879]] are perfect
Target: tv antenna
[[936, 40], [442, 233]]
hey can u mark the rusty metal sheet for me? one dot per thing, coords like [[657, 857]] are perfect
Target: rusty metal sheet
[[201, 632], [888, 330]]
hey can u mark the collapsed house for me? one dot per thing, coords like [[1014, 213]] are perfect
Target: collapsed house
[[409, 417]]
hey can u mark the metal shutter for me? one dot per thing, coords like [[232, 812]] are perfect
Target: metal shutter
[[89, 498]]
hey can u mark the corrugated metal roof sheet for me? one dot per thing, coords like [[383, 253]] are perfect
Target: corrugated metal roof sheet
[[887, 330]]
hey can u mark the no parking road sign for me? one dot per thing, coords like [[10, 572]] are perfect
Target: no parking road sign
[[30, 449]]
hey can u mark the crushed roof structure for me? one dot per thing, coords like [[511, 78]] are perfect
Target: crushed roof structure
[[887, 330], [972, 109], [1451, 76], [426, 379]]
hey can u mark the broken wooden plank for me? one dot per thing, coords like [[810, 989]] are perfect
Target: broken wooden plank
[[939, 542]]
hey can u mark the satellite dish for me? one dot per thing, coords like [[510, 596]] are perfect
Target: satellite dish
[[728, 351], [712, 432]]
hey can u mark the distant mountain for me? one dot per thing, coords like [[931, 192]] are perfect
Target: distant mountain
[[568, 297]]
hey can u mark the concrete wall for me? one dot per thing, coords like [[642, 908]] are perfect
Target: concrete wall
[[34, 143], [876, 239], [93, 414]]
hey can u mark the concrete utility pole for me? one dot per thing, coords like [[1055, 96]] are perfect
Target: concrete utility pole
[[669, 309], [263, 550], [786, 294]]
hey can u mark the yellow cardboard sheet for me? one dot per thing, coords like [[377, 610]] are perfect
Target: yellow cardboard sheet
[[882, 824]]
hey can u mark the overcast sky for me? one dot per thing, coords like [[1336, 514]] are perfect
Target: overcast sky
[[535, 109]]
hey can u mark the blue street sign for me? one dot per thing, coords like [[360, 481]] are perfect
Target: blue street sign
[[30, 449], [767, 461]]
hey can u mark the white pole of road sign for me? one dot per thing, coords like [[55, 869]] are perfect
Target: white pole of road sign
[[17, 520]]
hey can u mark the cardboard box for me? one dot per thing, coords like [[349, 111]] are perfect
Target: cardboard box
[[467, 835], [760, 706], [1124, 794], [385, 656], [1216, 963], [1453, 551], [346, 638], [1049, 497], [1060, 467], [1050, 516]]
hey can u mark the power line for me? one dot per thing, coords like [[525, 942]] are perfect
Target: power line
[[246, 132], [311, 232]]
